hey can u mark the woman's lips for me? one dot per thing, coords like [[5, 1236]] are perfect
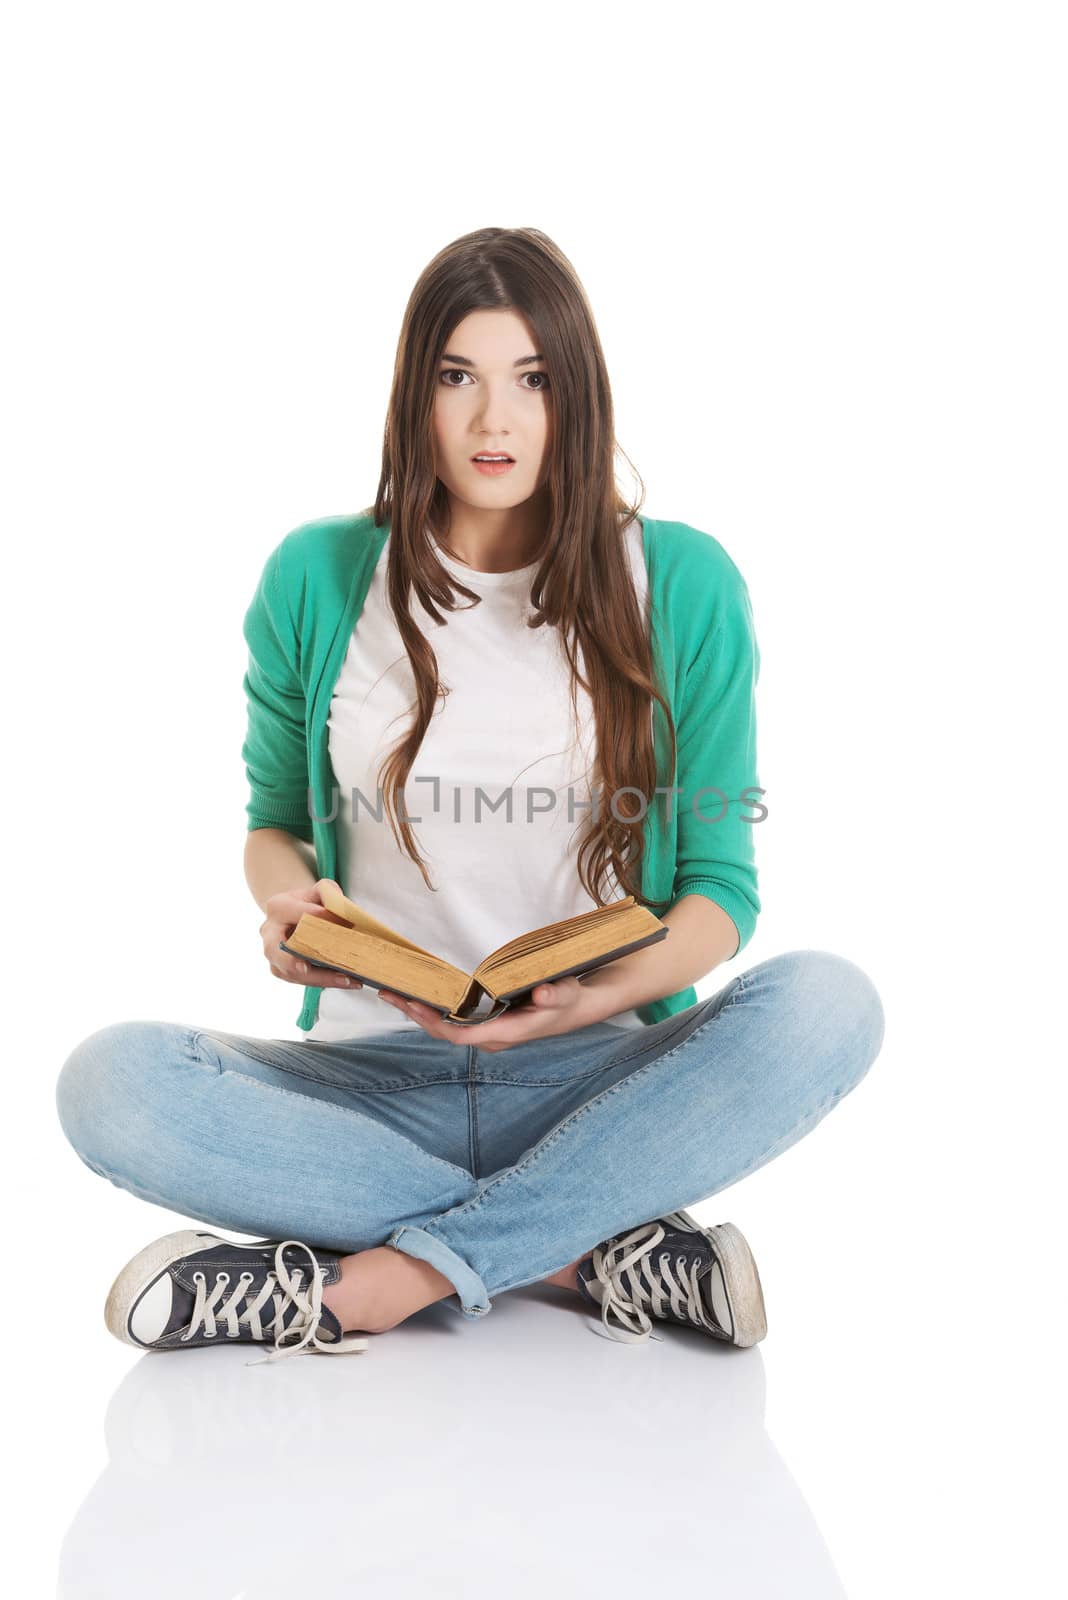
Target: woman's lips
[[493, 469]]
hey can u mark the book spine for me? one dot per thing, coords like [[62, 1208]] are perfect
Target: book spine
[[471, 1001], [499, 1009]]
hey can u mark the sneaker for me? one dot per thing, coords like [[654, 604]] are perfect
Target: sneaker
[[680, 1272], [161, 1299]]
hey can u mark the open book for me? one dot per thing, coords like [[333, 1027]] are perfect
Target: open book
[[382, 958]]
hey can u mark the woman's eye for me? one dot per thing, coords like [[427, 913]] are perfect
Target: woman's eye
[[448, 373]]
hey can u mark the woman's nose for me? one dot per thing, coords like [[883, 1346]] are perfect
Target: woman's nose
[[492, 413]]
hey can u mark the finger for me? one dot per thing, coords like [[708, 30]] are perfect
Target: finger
[[429, 1019], [562, 992], [320, 977]]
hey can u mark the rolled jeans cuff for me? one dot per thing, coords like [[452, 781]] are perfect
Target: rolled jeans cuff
[[470, 1290]]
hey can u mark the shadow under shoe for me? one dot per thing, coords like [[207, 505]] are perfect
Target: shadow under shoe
[[161, 1300], [674, 1270]]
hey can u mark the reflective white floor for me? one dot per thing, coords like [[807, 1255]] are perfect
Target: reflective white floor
[[889, 1436], [441, 1463]]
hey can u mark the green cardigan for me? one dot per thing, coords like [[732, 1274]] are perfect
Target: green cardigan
[[298, 626]]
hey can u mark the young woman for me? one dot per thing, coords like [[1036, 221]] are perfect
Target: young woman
[[495, 700]]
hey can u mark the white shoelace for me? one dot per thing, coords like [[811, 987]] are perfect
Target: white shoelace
[[630, 1300], [280, 1287]]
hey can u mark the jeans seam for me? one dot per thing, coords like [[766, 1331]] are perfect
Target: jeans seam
[[247, 1081], [742, 980], [472, 1109], [784, 1139], [550, 1139], [140, 1191], [742, 986], [328, 1083]]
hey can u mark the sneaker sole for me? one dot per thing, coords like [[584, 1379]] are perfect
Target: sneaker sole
[[141, 1271], [740, 1279]]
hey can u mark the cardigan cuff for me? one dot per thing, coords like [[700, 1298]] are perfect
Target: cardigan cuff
[[263, 811]]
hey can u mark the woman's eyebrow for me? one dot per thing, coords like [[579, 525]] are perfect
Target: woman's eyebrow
[[463, 361]]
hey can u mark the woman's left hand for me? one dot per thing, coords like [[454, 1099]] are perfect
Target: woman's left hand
[[558, 1007]]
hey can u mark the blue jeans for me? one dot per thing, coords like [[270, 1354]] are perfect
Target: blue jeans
[[497, 1167]]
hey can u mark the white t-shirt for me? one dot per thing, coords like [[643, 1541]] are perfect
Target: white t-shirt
[[505, 728]]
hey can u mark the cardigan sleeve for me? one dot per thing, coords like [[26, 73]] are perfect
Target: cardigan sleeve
[[717, 762], [275, 750]]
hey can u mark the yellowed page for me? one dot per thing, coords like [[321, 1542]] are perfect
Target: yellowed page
[[342, 906], [378, 961], [554, 933]]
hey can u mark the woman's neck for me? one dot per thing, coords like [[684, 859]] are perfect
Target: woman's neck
[[495, 541]]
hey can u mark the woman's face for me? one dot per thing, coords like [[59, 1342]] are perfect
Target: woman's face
[[490, 398]]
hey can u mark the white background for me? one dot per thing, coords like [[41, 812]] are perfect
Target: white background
[[825, 247]]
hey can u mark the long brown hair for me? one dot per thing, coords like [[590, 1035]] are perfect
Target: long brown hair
[[582, 585]]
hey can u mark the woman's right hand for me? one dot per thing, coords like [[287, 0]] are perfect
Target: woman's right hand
[[284, 911]]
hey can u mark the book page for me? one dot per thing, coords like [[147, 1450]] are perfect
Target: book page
[[377, 961], [523, 975], [342, 906], [553, 933]]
